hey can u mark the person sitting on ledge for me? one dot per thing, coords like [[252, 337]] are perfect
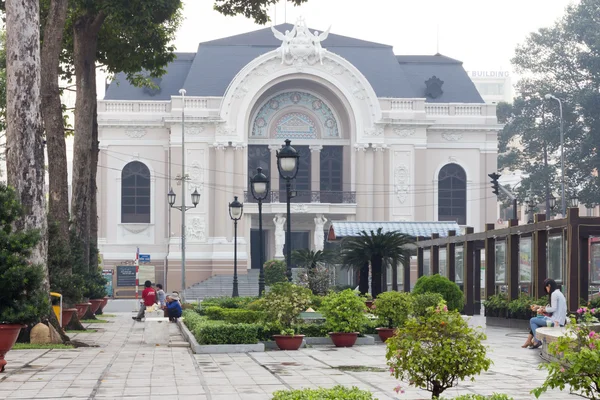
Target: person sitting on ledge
[[148, 300], [557, 309], [173, 307]]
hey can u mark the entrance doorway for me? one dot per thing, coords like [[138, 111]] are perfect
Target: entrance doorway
[[300, 240]]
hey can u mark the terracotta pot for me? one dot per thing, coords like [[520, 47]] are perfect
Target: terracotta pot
[[96, 303], [104, 303], [369, 303], [343, 339], [385, 333], [82, 309], [287, 342], [67, 314], [8, 337]]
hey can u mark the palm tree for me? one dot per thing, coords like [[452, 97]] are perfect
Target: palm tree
[[310, 259], [376, 248]]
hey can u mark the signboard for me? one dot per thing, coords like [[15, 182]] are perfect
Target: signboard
[[489, 74], [525, 254], [108, 275], [147, 273], [144, 258], [595, 263], [125, 275]]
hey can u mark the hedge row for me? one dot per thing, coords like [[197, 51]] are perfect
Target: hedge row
[[336, 393], [232, 315], [219, 332]]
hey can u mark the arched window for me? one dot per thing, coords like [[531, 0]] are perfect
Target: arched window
[[452, 194], [135, 193]]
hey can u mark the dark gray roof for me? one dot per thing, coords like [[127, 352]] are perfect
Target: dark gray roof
[[210, 71]]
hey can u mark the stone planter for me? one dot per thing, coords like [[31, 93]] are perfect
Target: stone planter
[[82, 309], [8, 337], [95, 305], [343, 339], [385, 333], [104, 303], [513, 323], [67, 314], [288, 342]]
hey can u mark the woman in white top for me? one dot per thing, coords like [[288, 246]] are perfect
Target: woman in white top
[[557, 309]]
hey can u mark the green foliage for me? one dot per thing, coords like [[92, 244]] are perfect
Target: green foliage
[[444, 286], [95, 285], [521, 308], [316, 301], [233, 315], [370, 327], [275, 272], [336, 393], [227, 302], [344, 311], [313, 330], [421, 302], [255, 9], [22, 298], [393, 308], [317, 279], [437, 351], [578, 360], [284, 303], [219, 332], [496, 305]]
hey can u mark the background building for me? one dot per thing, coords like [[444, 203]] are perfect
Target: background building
[[493, 86], [381, 138]]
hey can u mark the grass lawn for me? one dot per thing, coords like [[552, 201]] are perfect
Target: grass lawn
[[93, 321], [85, 331], [107, 315], [33, 346]]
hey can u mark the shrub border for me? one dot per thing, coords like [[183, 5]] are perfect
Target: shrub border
[[216, 348]]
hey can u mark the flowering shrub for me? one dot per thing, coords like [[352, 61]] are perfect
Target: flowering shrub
[[436, 351], [284, 303], [578, 359]]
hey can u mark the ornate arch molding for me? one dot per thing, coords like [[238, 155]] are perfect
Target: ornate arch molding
[[295, 108], [245, 88]]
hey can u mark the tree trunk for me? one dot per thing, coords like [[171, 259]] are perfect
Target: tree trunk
[[58, 200], [363, 280], [85, 41], [94, 192], [24, 133], [75, 324], [394, 276], [376, 267]]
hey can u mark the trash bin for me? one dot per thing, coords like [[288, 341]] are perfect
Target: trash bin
[[57, 308]]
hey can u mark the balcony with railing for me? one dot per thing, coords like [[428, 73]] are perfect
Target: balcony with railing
[[306, 196]]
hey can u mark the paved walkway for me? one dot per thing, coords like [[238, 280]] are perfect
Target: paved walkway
[[122, 367]]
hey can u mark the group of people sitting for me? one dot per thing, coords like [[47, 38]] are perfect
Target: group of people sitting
[[169, 303], [554, 314]]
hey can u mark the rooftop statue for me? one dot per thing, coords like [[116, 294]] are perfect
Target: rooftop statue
[[300, 45]]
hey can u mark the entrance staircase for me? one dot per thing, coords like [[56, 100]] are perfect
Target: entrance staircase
[[222, 286]]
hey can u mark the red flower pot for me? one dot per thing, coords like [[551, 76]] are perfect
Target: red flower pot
[[287, 342], [369, 303], [8, 337], [343, 339], [67, 314], [96, 303], [385, 333], [82, 309], [104, 303]]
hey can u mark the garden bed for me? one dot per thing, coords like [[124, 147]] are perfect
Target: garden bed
[[216, 348], [551, 335]]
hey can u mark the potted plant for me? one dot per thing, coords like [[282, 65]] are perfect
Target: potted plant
[[282, 305], [95, 290], [393, 309], [23, 299], [345, 315], [369, 300]]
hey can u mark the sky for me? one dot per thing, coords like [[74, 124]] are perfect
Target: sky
[[481, 33]]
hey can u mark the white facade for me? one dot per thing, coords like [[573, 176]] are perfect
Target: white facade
[[390, 153], [493, 86]]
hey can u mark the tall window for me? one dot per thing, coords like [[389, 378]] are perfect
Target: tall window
[[135, 193], [258, 156], [302, 182], [452, 194], [331, 174]]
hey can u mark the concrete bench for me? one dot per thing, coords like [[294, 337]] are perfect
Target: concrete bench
[[156, 328], [551, 335]]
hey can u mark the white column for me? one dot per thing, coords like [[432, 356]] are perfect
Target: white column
[[359, 187], [229, 168], [240, 181], [378, 180], [369, 187], [315, 168], [221, 203]]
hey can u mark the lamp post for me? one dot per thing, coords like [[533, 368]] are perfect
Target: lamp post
[[562, 155], [259, 186], [574, 202], [530, 205], [287, 164], [236, 209], [183, 208]]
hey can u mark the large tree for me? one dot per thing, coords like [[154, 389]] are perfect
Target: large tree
[[255, 9], [563, 60]]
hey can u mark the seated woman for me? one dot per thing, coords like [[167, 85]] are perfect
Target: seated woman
[[173, 307], [557, 309], [529, 342]]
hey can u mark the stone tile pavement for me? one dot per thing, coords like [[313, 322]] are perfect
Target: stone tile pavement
[[123, 367]]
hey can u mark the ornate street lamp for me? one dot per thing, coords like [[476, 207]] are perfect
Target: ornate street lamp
[[236, 209], [287, 164], [552, 201], [259, 186], [574, 201], [171, 197]]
